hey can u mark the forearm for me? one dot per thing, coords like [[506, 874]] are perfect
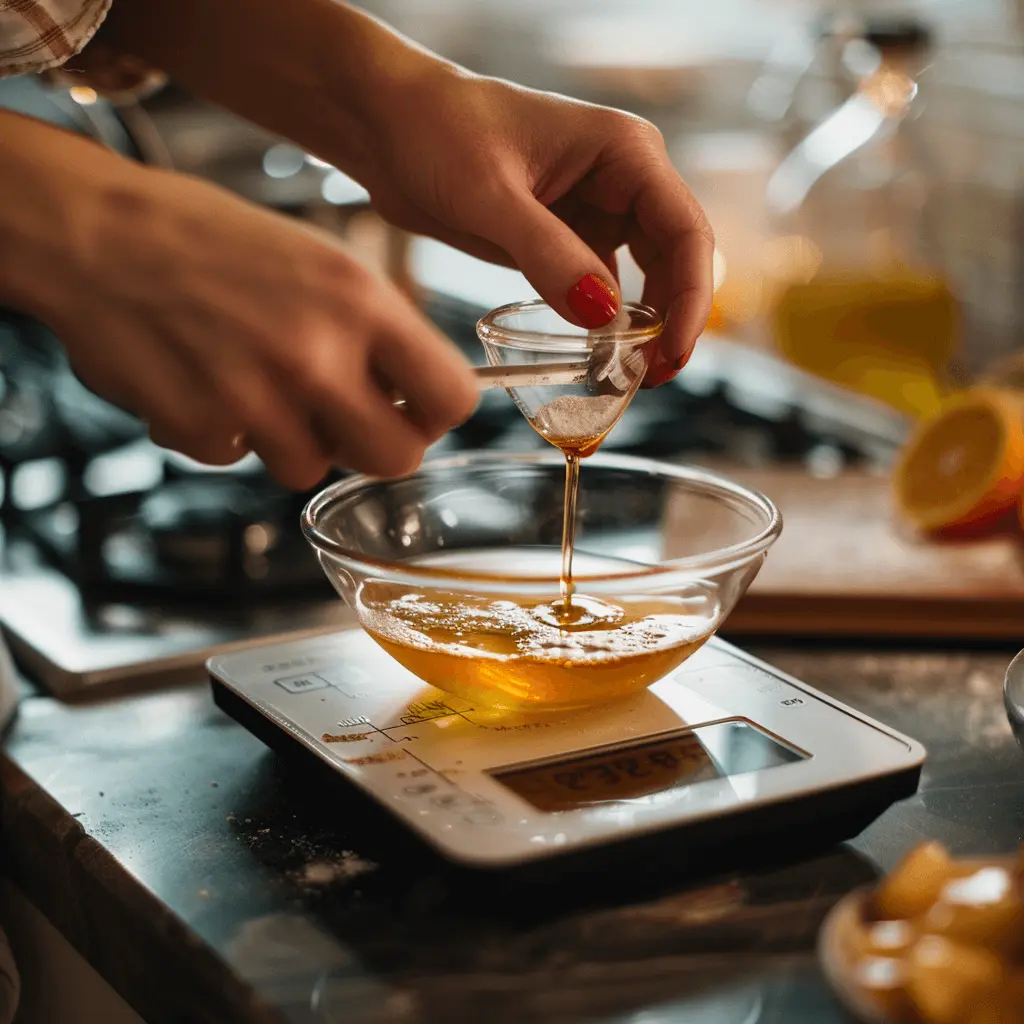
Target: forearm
[[316, 71], [56, 187]]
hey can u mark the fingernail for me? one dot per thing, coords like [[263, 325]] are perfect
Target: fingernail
[[686, 356], [661, 371], [592, 302], [657, 372]]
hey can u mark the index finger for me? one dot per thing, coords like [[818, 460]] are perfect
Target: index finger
[[426, 368], [672, 242]]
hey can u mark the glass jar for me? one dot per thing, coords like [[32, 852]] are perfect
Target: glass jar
[[805, 76], [857, 289]]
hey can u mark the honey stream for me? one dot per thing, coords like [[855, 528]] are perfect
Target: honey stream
[[518, 651]]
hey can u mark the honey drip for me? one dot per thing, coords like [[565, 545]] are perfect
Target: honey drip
[[576, 425], [520, 652]]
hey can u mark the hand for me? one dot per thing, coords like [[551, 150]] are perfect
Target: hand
[[551, 186], [216, 322]]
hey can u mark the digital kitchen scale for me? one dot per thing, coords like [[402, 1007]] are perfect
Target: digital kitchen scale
[[723, 750]]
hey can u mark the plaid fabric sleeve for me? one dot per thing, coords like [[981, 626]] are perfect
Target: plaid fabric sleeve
[[48, 36], [37, 35]]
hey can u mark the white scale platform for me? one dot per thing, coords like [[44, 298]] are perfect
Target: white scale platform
[[723, 737]]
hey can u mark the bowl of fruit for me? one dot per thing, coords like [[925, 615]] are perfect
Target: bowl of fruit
[[939, 941]]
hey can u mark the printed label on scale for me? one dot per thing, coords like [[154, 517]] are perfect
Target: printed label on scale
[[352, 681], [302, 684]]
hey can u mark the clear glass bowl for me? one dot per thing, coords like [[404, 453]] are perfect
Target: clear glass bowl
[[454, 569], [1013, 696]]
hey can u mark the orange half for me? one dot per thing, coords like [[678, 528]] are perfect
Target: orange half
[[965, 465]]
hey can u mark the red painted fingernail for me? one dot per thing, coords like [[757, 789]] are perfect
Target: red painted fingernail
[[657, 372], [661, 371], [592, 302]]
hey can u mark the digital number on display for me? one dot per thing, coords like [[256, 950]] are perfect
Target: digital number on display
[[684, 759]]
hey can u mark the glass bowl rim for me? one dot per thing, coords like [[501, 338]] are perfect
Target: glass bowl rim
[[1013, 695], [703, 480], [489, 330]]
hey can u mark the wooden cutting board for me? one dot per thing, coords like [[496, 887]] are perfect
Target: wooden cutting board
[[844, 566]]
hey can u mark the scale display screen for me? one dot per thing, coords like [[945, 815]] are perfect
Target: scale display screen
[[620, 774]]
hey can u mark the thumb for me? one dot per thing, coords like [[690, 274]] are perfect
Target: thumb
[[566, 272]]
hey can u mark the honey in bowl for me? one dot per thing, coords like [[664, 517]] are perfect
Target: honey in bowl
[[519, 652]]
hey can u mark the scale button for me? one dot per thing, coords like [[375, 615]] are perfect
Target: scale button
[[302, 684], [450, 801], [482, 815], [419, 790]]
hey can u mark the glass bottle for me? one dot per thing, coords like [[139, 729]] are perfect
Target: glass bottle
[[858, 292], [804, 76]]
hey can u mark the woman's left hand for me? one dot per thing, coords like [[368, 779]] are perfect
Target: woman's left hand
[[553, 187]]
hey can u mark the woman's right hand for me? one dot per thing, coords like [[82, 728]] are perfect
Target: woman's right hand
[[217, 321]]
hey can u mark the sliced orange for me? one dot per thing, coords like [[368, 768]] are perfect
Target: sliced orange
[[964, 466]]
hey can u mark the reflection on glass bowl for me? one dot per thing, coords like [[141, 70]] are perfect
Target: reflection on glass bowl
[[454, 571], [1013, 696]]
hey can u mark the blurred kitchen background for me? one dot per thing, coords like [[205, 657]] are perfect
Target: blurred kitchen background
[[734, 86], [863, 166]]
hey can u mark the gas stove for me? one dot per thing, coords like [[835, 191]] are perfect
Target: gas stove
[[126, 565]]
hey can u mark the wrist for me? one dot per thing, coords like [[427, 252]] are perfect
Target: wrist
[[56, 196], [321, 73], [376, 91]]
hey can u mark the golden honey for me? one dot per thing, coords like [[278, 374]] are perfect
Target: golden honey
[[514, 652]]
